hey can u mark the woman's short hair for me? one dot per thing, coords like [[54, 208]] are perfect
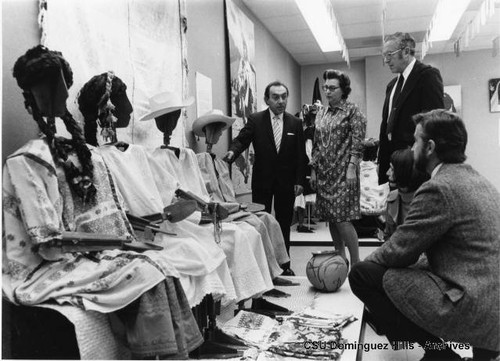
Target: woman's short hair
[[404, 173], [448, 132], [344, 81]]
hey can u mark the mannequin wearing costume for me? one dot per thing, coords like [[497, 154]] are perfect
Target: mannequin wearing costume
[[242, 245], [202, 266], [69, 189], [215, 173]]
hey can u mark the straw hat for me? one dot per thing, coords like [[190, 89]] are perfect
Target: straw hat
[[164, 103], [213, 116]]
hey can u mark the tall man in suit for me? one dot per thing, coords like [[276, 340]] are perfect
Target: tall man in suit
[[417, 88], [453, 293], [280, 157]]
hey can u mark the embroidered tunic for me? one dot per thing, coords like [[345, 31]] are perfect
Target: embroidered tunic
[[339, 134], [214, 172], [38, 205], [241, 243], [197, 259]]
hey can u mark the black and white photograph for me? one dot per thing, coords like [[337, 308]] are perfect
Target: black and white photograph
[[494, 91], [250, 180]]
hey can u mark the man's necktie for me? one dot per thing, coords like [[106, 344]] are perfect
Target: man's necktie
[[277, 131], [397, 92]]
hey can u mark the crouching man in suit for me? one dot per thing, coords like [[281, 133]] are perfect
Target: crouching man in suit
[[280, 158], [454, 219]]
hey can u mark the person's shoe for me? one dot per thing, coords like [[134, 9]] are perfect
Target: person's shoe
[[288, 272], [304, 229]]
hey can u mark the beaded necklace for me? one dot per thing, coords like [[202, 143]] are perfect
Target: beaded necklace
[[326, 127]]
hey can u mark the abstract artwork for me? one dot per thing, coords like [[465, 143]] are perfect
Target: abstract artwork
[[243, 88]]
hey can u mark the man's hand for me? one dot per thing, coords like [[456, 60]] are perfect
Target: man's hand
[[229, 157], [298, 190]]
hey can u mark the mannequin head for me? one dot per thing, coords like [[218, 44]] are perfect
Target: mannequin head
[[166, 123], [211, 125], [103, 101], [213, 131], [43, 75]]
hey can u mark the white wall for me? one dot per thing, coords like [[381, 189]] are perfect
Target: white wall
[[208, 54], [19, 33]]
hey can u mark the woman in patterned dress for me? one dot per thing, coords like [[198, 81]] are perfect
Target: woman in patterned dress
[[337, 151]]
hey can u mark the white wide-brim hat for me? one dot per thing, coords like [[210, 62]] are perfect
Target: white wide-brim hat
[[213, 116], [164, 103]]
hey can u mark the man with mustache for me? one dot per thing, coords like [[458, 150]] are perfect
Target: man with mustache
[[280, 158]]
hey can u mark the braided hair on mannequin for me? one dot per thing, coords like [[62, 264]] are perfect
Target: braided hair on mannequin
[[95, 101], [41, 65]]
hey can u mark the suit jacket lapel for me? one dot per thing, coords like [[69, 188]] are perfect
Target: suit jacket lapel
[[385, 110], [286, 130], [409, 84]]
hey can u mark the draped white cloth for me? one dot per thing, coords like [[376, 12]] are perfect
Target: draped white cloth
[[196, 258], [373, 197], [215, 173], [241, 243], [141, 41], [38, 206]]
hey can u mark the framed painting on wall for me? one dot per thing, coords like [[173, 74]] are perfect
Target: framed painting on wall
[[494, 91], [243, 88], [453, 98]]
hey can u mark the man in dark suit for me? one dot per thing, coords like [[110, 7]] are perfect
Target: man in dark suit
[[452, 293], [280, 157], [418, 88]]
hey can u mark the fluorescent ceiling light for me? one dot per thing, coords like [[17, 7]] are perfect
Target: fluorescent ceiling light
[[321, 21], [446, 18]]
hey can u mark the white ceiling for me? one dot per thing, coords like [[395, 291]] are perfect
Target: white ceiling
[[361, 26]]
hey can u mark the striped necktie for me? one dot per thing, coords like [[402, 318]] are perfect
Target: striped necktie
[[277, 131]]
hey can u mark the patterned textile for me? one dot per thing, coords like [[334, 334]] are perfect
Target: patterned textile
[[184, 169], [94, 333], [191, 255], [266, 229], [373, 195], [161, 323], [225, 182], [241, 243], [38, 206], [277, 240], [339, 134], [135, 179], [210, 176], [398, 206], [291, 335]]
